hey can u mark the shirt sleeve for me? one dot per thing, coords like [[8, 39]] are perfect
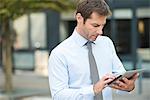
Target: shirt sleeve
[[117, 66], [123, 92], [59, 84]]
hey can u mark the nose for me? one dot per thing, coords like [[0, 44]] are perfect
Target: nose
[[100, 30]]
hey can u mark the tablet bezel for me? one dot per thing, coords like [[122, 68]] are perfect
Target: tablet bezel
[[127, 74]]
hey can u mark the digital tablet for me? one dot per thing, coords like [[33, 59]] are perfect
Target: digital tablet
[[127, 74]]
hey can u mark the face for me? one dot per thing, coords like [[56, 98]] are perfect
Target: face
[[92, 27]]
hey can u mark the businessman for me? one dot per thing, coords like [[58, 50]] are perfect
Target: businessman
[[82, 65]]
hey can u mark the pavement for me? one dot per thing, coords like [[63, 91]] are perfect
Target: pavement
[[29, 85]]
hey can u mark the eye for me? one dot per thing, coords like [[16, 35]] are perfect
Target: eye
[[95, 25]]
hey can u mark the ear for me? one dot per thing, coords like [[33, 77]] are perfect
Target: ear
[[79, 18]]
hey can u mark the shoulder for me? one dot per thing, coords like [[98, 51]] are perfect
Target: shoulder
[[104, 40], [63, 46]]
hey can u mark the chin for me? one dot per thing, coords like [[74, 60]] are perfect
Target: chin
[[93, 39]]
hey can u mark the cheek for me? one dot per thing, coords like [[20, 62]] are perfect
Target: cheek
[[90, 29]]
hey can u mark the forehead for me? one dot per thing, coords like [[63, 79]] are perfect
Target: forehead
[[96, 18]]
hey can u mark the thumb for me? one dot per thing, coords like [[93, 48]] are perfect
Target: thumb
[[135, 76]]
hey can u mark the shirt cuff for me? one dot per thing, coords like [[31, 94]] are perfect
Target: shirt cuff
[[122, 92]]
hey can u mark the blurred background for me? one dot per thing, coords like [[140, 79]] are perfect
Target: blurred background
[[30, 29]]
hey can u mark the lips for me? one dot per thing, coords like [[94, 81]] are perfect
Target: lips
[[94, 37]]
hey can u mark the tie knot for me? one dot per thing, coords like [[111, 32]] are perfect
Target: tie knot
[[89, 45]]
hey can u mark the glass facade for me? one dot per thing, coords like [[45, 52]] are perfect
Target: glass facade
[[21, 27], [35, 32], [38, 30], [31, 31], [144, 32], [31, 35]]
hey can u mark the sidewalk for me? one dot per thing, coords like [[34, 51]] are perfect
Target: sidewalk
[[31, 86], [25, 84]]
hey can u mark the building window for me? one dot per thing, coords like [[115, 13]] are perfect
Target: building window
[[38, 30], [31, 31], [122, 36], [144, 32], [21, 28]]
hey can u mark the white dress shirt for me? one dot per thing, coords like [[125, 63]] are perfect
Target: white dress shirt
[[69, 71]]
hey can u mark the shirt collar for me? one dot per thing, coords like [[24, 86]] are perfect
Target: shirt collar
[[80, 40]]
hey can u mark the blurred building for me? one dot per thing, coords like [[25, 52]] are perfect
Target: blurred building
[[38, 33], [128, 27]]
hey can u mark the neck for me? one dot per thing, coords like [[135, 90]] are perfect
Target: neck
[[80, 31]]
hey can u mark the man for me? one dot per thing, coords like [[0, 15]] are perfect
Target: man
[[69, 68]]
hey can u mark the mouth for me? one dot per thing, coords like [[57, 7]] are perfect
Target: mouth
[[94, 37]]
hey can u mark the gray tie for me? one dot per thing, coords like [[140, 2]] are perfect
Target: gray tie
[[93, 69]]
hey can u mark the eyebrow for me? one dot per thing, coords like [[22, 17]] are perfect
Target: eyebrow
[[98, 24]]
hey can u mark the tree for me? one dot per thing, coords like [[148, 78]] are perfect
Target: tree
[[12, 9]]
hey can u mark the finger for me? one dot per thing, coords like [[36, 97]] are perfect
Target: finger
[[108, 76], [125, 80], [108, 81], [116, 86], [135, 76], [121, 84]]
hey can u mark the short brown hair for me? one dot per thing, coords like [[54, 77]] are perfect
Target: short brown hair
[[87, 7]]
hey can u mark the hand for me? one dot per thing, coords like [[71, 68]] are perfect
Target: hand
[[101, 84], [126, 84]]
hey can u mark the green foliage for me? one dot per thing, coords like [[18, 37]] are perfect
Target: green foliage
[[11, 9], [15, 8]]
